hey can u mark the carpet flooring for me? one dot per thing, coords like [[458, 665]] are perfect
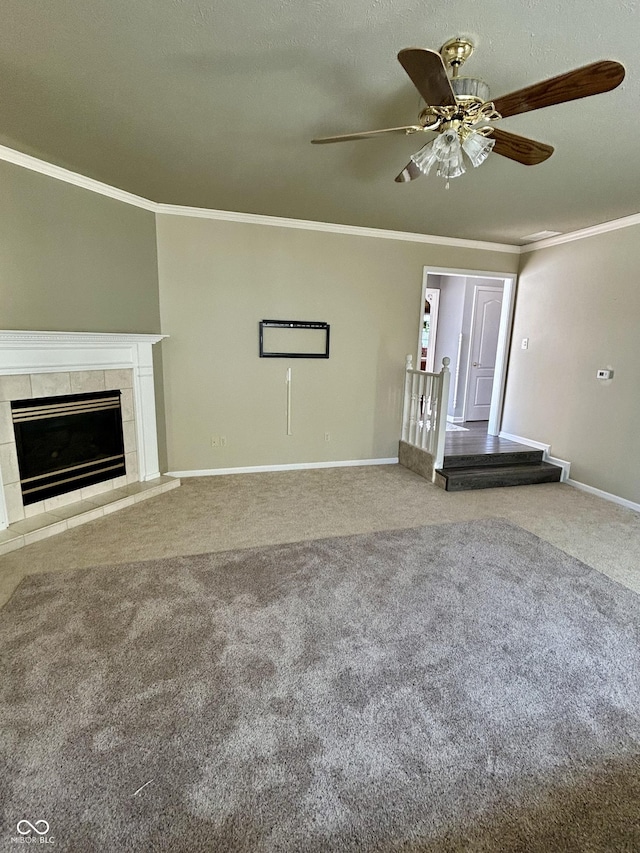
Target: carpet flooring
[[462, 686]]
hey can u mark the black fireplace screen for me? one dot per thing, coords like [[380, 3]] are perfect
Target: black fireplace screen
[[65, 443]]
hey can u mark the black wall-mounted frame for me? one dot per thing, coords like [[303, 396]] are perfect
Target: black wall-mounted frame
[[271, 348]]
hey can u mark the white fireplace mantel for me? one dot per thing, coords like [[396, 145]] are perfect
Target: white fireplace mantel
[[55, 352]]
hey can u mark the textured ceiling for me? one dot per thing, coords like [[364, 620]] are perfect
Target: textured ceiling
[[213, 103]]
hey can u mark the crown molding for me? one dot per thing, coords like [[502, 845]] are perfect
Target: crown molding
[[333, 228], [583, 233], [9, 155], [18, 158], [27, 161]]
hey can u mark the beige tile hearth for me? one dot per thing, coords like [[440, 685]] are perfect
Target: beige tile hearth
[[29, 525], [79, 508], [64, 517], [109, 497], [90, 492]]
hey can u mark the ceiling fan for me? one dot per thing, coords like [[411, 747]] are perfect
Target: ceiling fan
[[459, 110]]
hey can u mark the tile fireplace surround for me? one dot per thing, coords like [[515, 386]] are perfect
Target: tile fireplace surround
[[48, 364]]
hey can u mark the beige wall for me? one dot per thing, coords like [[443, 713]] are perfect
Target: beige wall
[[75, 261], [71, 260], [218, 279], [579, 305]]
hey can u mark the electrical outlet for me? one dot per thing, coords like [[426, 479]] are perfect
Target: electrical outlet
[[525, 343], [223, 441], [215, 441], [327, 436]]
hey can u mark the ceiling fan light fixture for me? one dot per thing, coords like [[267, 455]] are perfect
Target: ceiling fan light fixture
[[477, 147], [449, 154], [446, 152], [461, 104]]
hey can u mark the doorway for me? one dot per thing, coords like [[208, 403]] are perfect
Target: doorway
[[473, 316]]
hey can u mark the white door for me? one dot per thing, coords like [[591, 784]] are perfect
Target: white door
[[485, 325]]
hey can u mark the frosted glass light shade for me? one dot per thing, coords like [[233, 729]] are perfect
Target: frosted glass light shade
[[449, 154], [477, 147], [445, 150], [425, 158]]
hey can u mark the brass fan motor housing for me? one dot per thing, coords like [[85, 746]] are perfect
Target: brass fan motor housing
[[455, 52]]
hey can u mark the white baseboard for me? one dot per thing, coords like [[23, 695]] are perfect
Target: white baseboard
[[521, 440], [607, 496], [561, 463], [294, 466], [546, 456], [455, 420]]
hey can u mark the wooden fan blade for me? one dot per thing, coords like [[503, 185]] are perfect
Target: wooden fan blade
[[367, 134], [519, 148], [580, 83], [409, 173], [429, 76]]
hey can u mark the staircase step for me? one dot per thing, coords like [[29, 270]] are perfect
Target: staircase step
[[493, 476], [506, 457]]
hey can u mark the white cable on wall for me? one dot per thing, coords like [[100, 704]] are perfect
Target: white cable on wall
[[288, 382]]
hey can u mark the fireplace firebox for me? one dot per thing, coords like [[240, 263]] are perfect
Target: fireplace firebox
[[68, 442]]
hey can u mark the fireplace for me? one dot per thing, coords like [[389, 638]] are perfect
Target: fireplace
[[68, 366], [67, 442]]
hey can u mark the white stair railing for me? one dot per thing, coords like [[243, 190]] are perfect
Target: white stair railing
[[424, 411]]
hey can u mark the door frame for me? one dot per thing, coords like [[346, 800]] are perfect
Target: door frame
[[433, 329], [504, 334]]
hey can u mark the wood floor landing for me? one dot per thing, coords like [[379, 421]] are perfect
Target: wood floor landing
[[475, 460], [477, 441]]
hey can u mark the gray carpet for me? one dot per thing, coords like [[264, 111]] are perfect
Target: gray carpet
[[458, 687]]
